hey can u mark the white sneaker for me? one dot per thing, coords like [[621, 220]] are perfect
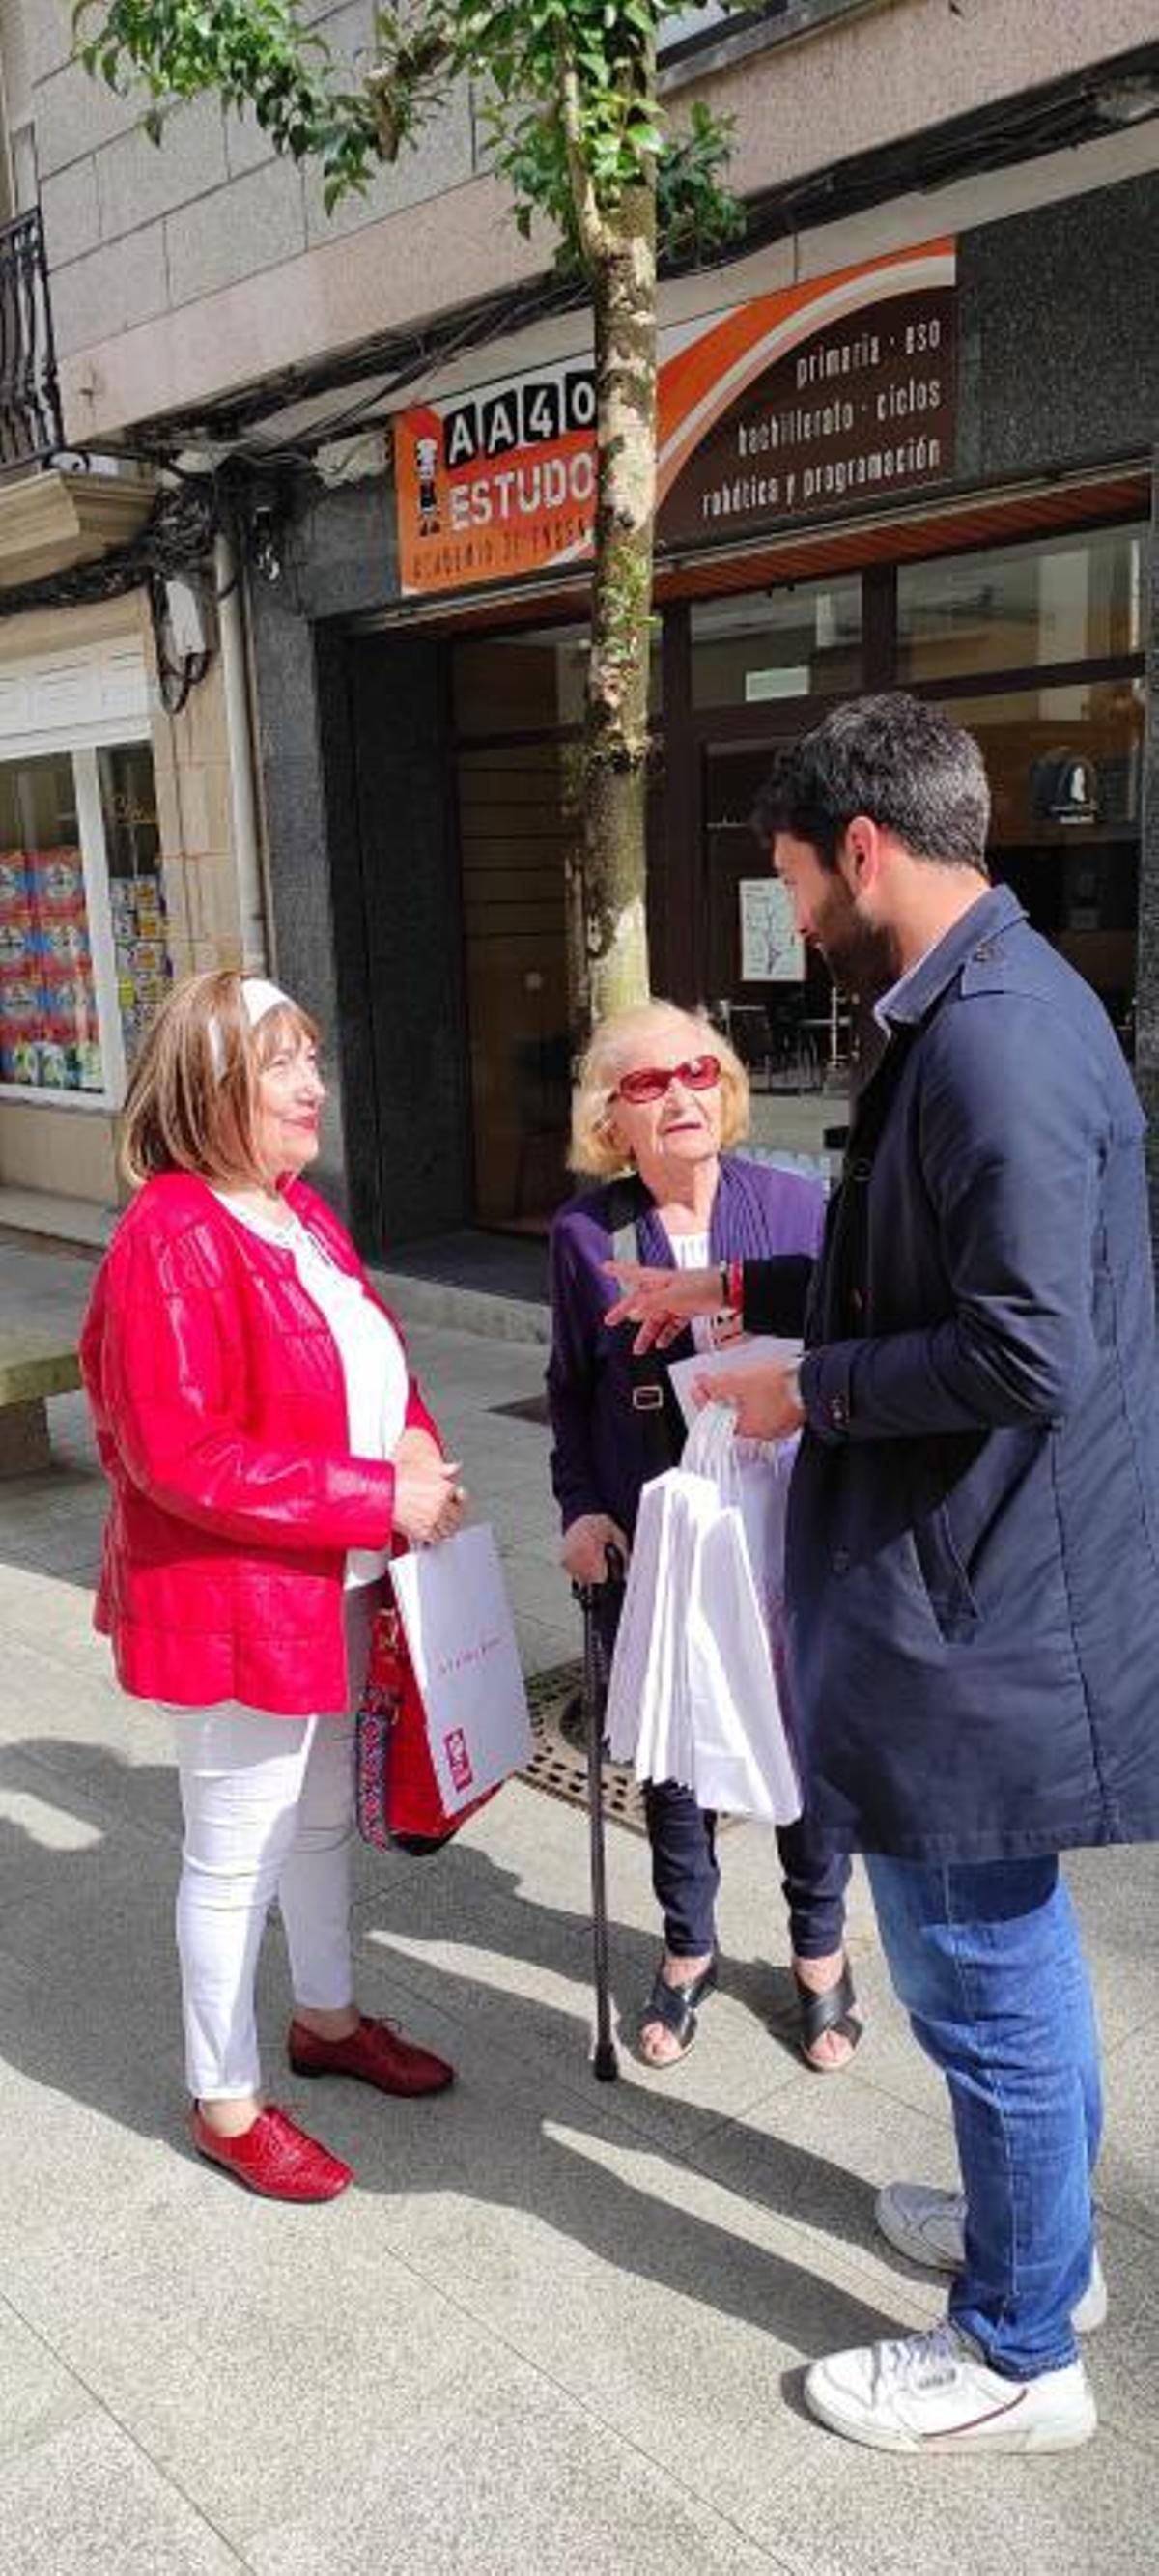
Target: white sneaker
[[934, 2392], [929, 2226]]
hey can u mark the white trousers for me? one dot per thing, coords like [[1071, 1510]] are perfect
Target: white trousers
[[268, 1804]]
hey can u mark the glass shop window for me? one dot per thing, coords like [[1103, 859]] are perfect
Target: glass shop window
[[802, 641], [1072, 599], [84, 957], [49, 1028], [136, 894], [1066, 776]]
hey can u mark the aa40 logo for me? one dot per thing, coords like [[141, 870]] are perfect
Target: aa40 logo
[[529, 413]]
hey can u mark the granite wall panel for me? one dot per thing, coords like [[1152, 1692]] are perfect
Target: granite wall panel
[[256, 222], [1060, 336], [68, 204], [138, 180], [301, 926], [125, 283], [409, 934], [344, 550], [76, 115], [363, 887], [1147, 1002]]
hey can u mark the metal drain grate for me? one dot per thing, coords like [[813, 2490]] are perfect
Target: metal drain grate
[[559, 1769]]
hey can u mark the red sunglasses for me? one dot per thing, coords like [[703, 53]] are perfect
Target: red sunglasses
[[651, 1081]]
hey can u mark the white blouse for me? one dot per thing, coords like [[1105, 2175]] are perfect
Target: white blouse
[[371, 1354], [709, 1332], [690, 1252]]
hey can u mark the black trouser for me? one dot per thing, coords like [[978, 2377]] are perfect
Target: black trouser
[[686, 1876]]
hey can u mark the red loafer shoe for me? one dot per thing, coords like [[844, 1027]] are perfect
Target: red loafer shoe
[[375, 2054], [274, 2158]]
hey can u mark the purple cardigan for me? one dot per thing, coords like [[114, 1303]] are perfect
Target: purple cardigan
[[599, 1460]]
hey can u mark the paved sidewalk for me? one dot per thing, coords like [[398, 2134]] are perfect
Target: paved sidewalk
[[557, 2324]]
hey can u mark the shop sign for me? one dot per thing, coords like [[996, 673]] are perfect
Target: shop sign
[[800, 403], [835, 392], [497, 483], [1064, 788]]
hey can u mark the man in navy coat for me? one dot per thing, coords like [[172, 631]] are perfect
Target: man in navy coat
[[974, 1539]]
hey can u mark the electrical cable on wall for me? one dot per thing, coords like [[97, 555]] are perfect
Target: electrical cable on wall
[[177, 535], [169, 558], [179, 667]]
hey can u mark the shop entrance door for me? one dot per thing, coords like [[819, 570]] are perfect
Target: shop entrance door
[[776, 998], [517, 702], [518, 707], [513, 842]]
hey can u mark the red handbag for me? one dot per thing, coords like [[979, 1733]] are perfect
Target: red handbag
[[398, 1801]]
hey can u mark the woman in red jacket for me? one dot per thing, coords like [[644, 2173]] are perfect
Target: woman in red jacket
[[264, 1446]]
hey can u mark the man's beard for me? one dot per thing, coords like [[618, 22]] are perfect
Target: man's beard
[[862, 957]]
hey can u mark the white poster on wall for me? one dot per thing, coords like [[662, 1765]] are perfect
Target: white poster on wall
[[770, 950]]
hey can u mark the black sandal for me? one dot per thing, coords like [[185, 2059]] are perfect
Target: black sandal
[[675, 2008], [834, 2010]]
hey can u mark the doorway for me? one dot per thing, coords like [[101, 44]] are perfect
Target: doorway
[[773, 996], [517, 703], [764, 667]]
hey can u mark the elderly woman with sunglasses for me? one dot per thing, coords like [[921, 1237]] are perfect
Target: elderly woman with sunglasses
[[660, 1099], [265, 1449]]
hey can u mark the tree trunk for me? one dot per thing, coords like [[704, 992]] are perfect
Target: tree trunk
[[614, 967]]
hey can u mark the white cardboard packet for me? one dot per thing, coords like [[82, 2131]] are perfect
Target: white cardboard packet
[[752, 1350]]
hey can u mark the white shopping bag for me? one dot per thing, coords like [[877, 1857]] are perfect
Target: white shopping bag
[[741, 1762], [755, 1474], [453, 1603], [693, 1694], [764, 1471], [644, 1681]]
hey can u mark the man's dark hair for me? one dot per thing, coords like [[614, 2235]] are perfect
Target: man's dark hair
[[890, 757]]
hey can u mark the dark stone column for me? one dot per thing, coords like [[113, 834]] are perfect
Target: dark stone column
[[366, 927], [405, 940], [1147, 986], [301, 918], [1060, 333]]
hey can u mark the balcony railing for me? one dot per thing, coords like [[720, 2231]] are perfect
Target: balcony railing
[[700, 39], [30, 426]]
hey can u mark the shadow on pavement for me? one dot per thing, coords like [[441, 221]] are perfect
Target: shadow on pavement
[[89, 2009]]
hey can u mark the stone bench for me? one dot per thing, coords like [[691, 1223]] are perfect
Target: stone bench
[[32, 1367]]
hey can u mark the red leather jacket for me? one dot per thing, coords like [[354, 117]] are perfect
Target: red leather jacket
[[220, 1410]]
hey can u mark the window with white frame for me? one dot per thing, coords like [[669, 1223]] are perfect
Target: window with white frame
[[84, 956]]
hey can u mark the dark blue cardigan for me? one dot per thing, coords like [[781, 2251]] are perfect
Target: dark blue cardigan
[[600, 1458]]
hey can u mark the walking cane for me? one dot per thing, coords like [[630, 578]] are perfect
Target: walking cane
[[605, 2064]]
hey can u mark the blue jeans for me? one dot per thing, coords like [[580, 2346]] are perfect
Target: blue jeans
[[985, 1957]]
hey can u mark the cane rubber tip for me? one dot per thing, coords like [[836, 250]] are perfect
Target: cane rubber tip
[[605, 2065]]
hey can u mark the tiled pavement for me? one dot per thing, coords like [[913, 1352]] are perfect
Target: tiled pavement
[[557, 2323]]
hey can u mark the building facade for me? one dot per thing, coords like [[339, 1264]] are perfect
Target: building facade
[[908, 437], [124, 789]]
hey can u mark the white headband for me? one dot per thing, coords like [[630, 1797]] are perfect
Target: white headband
[[258, 997]]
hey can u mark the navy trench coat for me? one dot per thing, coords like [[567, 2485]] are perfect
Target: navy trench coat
[[974, 1519]]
